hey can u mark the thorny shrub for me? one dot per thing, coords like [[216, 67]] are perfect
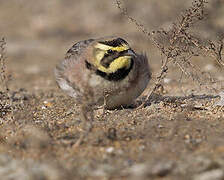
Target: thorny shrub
[[179, 45]]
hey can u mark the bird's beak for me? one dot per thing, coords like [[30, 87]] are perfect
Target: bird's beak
[[130, 52]]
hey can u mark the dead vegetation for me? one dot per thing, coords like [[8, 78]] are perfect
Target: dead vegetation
[[9, 100], [5, 100], [179, 45], [4, 77]]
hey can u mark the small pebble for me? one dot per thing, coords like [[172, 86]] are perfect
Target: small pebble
[[110, 150]]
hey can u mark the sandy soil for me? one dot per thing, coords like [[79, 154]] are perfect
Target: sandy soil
[[178, 135]]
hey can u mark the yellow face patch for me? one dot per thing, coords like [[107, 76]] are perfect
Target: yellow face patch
[[121, 62], [118, 63]]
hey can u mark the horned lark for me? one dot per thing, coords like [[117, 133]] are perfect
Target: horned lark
[[104, 71]]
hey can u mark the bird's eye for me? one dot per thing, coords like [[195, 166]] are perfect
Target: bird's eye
[[109, 51]]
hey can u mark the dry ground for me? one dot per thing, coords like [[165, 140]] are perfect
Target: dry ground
[[178, 135]]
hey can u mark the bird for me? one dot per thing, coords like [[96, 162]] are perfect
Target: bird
[[104, 72]]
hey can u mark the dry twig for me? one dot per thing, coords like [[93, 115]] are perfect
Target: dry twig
[[6, 102], [4, 77]]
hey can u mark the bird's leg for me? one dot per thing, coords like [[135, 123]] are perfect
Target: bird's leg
[[103, 106], [86, 118]]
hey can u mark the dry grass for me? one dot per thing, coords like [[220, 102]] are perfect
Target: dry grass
[[10, 100], [4, 77], [6, 107], [179, 45]]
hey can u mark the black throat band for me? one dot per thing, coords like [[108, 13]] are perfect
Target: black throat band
[[115, 76]]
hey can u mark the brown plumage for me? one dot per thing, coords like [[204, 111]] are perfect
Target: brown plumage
[[104, 71], [90, 74]]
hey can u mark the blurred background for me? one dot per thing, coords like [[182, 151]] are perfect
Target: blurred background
[[38, 33], [39, 124]]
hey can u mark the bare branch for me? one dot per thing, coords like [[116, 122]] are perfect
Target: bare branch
[[180, 44]]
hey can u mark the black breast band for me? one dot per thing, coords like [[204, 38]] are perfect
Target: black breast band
[[115, 76]]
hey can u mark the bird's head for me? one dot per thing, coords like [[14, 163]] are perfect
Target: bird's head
[[112, 54]]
